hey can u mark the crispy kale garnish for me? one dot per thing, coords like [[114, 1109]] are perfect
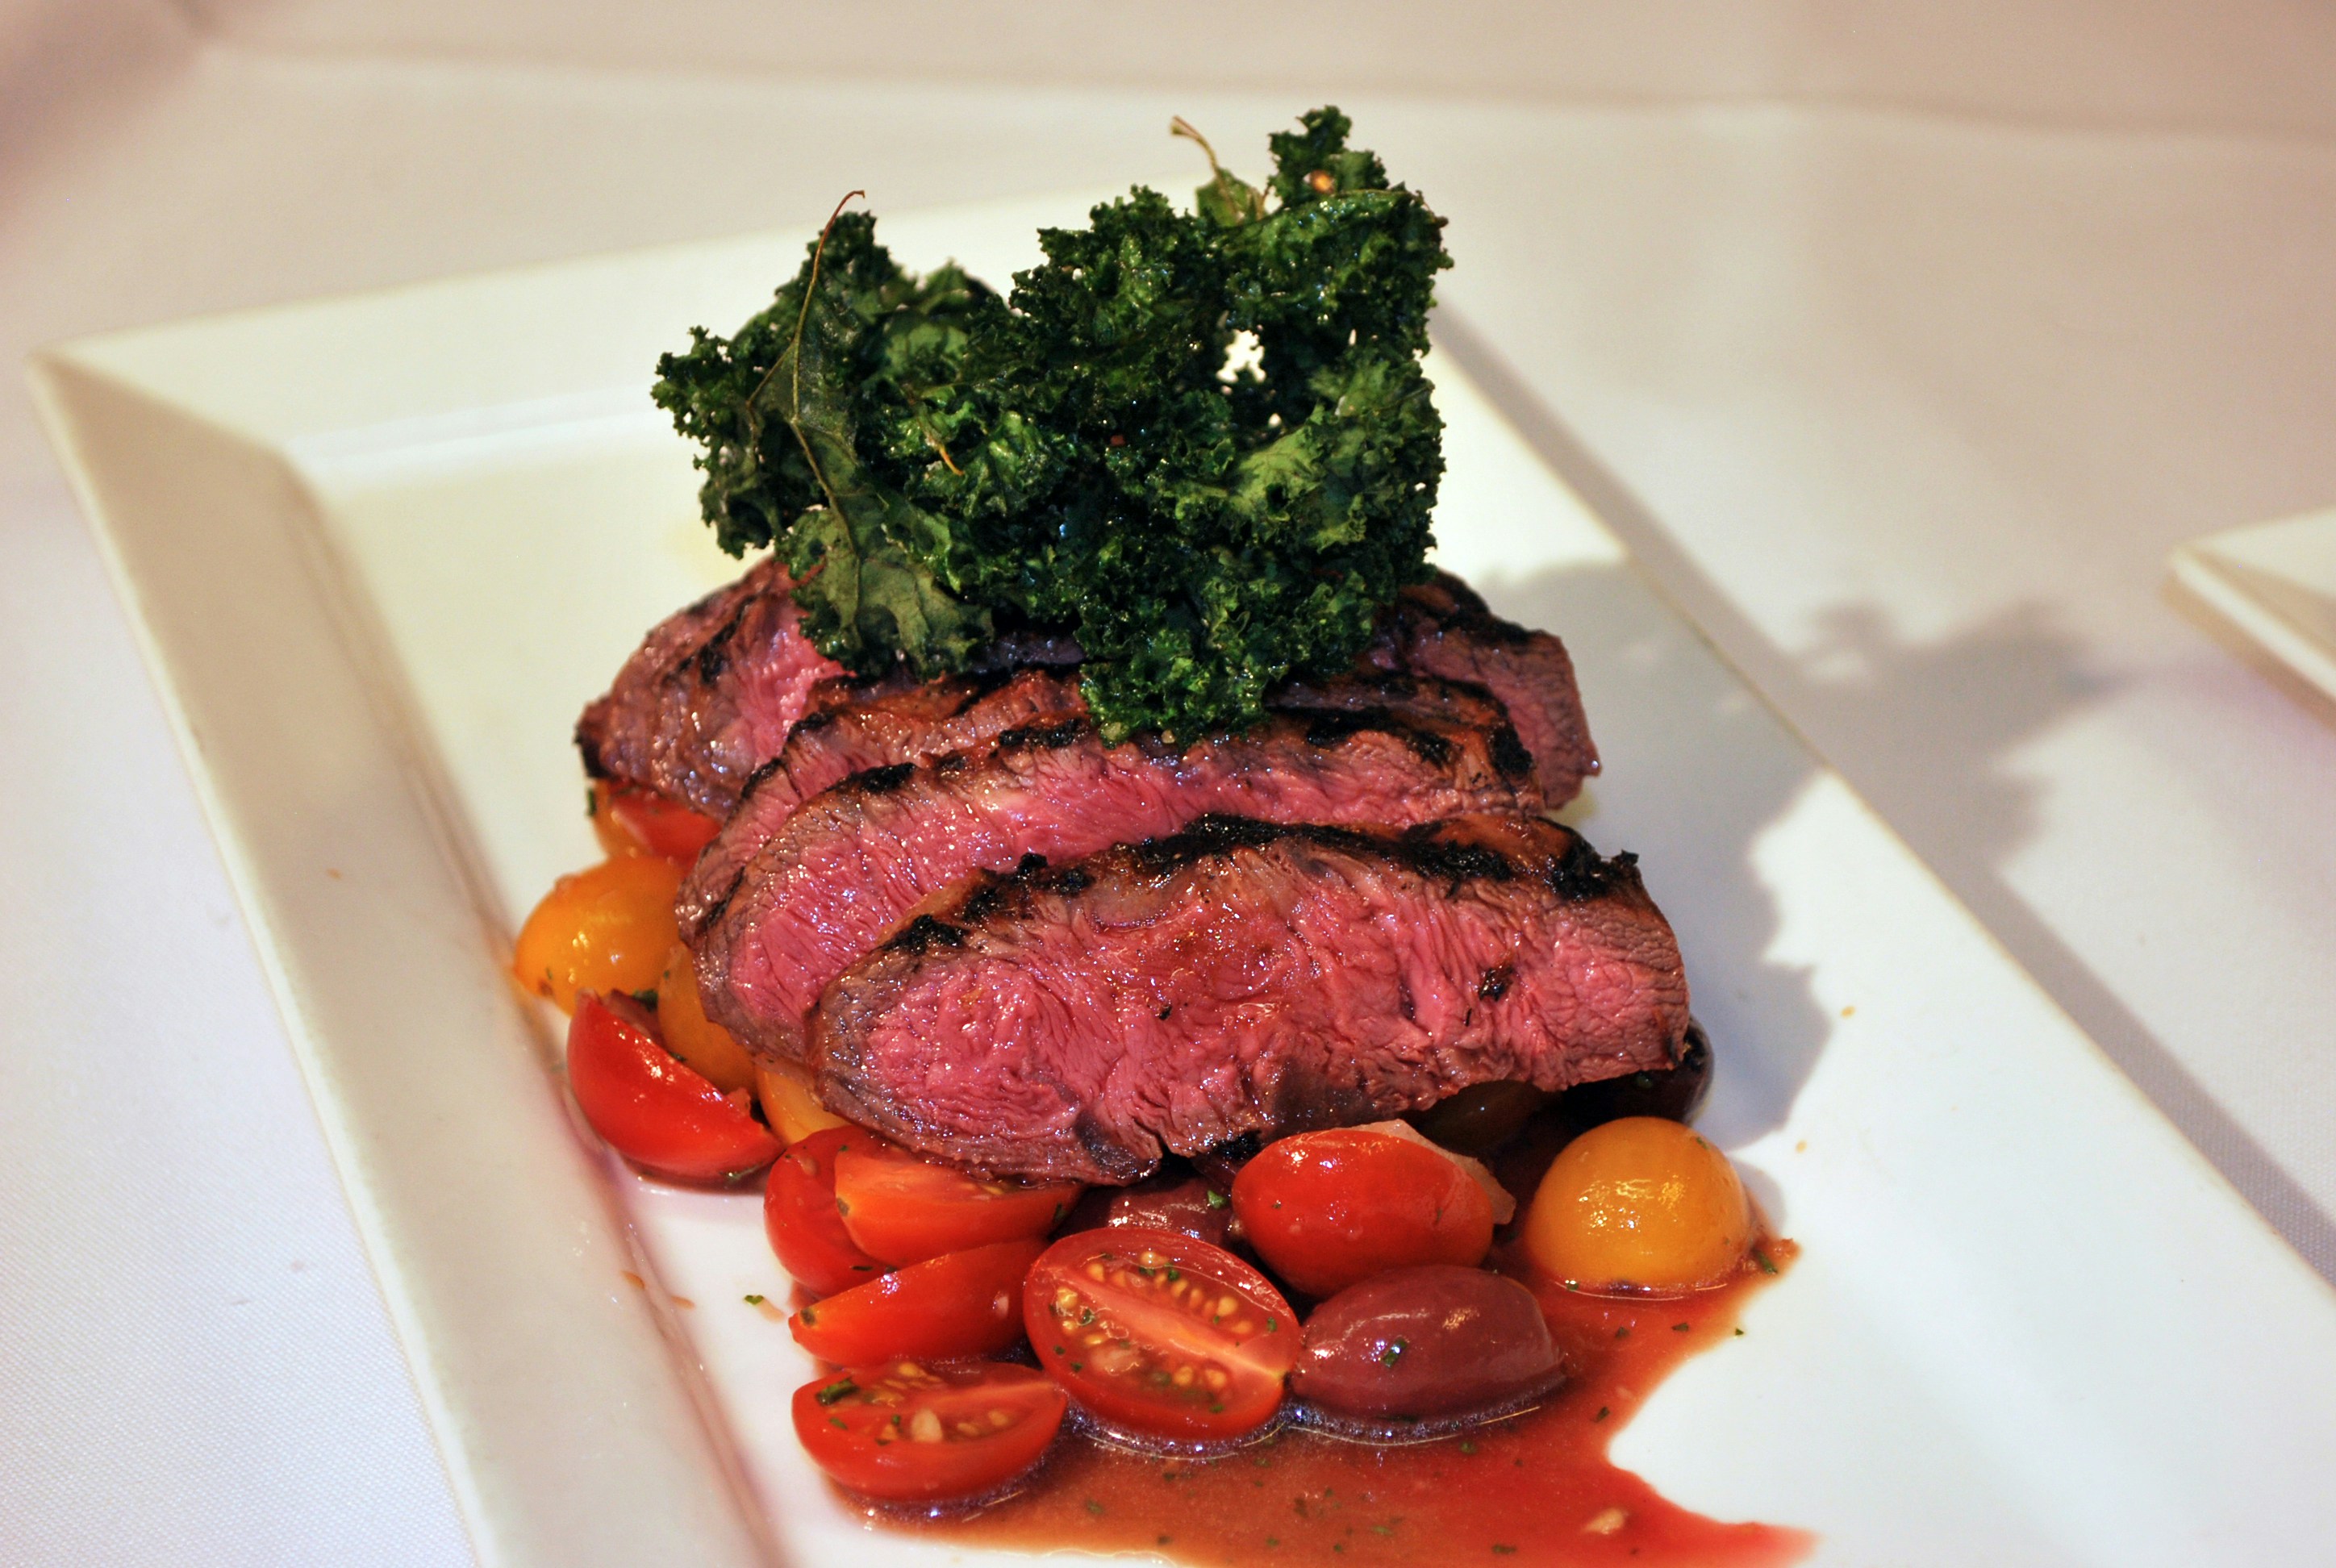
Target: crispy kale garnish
[[936, 464]]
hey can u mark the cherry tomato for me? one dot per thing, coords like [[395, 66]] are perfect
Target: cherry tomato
[[604, 929], [905, 1433], [900, 1208], [652, 1108], [632, 821], [791, 1102], [693, 1037], [799, 1217], [1161, 1333], [1643, 1203], [1325, 1209], [958, 1304]]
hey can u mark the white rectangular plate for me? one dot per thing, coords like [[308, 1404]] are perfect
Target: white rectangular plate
[[2269, 590], [380, 552]]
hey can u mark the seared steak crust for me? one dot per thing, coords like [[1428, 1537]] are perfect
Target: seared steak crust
[[1077, 1021], [1440, 628], [708, 697], [843, 870]]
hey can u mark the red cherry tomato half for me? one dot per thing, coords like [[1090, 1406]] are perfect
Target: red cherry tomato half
[[1329, 1210], [905, 1433], [902, 1209], [631, 821], [1161, 1333], [958, 1304], [800, 1218], [650, 1107]]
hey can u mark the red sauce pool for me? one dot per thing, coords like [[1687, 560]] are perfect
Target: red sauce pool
[[1534, 1489]]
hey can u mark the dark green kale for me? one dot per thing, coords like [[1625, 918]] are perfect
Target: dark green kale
[[1088, 455]]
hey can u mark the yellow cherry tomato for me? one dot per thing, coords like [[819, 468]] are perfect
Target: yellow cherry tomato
[[605, 929], [693, 1037], [1641, 1203], [790, 1104]]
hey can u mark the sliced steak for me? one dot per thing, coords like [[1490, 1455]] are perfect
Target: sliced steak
[[838, 739], [1442, 628], [859, 732], [713, 693], [1079, 1021], [709, 696], [843, 870]]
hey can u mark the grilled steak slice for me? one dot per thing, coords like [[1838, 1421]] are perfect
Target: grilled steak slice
[[1442, 628], [842, 738], [832, 882], [1080, 1021], [709, 696]]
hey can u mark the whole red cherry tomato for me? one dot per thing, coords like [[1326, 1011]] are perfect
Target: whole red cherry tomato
[[651, 1107], [1161, 1333], [633, 821], [800, 1218], [901, 1209], [1325, 1209], [966, 1303], [906, 1433]]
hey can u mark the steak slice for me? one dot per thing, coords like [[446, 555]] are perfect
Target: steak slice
[[839, 739], [1078, 1022], [856, 732], [709, 695], [846, 868], [1440, 628], [713, 693]]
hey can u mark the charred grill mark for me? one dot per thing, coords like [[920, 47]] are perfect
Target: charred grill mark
[[812, 723], [588, 741], [1333, 728], [1043, 737], [1429, 747], [923, 932], [763, 770], [1581, 873], [951, 762], [713, 655], [1510, 755], [881, 781], [1437, 859], [1496, 980]]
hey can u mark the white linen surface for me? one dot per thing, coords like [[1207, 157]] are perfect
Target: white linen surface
[[1900, 347]]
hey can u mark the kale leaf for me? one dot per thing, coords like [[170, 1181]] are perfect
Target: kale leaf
[[1088, 455]]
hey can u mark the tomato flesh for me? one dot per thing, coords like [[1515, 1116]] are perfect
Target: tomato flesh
[[633, 821], [1330, 1209], [652, 1108], [605, 929], [902, 1209], [902, 1432], [966, 1303], [800, 1219], [1160, 1333]]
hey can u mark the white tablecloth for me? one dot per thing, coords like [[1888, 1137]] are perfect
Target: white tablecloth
[[1900, 348]]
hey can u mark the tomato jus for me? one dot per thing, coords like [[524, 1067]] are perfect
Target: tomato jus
[[1536, 1488]]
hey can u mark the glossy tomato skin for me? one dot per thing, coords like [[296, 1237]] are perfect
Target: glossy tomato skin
[[605, 929], [800, 1219], [1328, 1210], [630, 821], [958, 1304], [902, 1209], [652, 1108], [902, 1432], [1160, 1334], [1640, 1205]]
